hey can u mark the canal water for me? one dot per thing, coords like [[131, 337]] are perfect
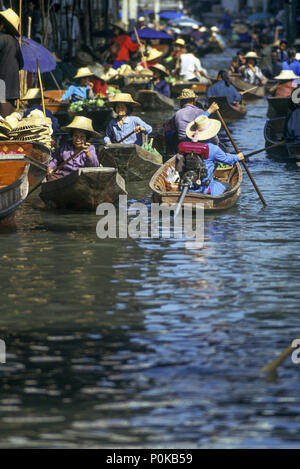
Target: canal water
[[145, 343]]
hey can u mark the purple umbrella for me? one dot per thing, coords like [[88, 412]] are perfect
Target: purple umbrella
[[31, 51], [148, 33]]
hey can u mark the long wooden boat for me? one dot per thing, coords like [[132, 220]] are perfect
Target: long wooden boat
[[178, 86], [279, 107], [274, 132], [133, 162], [242, 85], [233, 176], [36, 153], [227, 110], [84, 189], [13, 188], [154, 101], [58, 109]]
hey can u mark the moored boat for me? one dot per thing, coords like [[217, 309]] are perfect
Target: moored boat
[[133, 162], [279, 107], [84, 189], [13, 187], [274, 132], [153, 101], [233, 175], [227, 110], [178, 86], [35, 153], [242, 85]]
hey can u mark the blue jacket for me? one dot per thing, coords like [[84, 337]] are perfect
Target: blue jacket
[[162, 87], [220, 89], [295, 66]]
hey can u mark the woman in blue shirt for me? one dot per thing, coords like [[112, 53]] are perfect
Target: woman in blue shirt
[[125, 124], [158, 83], [223, 87], [203, 129], [84, 90]]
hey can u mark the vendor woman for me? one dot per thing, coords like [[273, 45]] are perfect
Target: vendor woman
[[82, 91], [125, 124], [78, 152], [158, 82]]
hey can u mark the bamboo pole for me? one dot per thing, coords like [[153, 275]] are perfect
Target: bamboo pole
[[41, 86], [141, 49]]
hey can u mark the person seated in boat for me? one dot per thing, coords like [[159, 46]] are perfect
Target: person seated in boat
[[202, 129], [189, 67], [292, 129], [158, 83], [252, 74], [291, 63], [32, 100], [125, 125], [79, 153], [234, 66], [223, 87], [287, 83], [83, 91], [151, 59], [242, 61], [175, 128]]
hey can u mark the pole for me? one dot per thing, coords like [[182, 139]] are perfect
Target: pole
[[141, 48], [41, 86]]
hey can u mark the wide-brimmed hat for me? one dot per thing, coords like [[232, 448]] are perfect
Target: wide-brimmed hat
[[251, 55], [12, 18], [180, 42], [125, 98], [119, 24], [159, 68], [202, 128], [83, 72], [286, 75], [153, 55], [203, 29], [32, 93], [187, 93], [81, 123], [297, 56], [214, 29]]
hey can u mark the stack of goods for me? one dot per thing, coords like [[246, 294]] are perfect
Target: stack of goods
[[34, 128], [5, 128]]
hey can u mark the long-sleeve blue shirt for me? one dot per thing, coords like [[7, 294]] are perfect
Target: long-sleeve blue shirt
[[216, 155], [161, 87], [220, 89], [293, 126], [114, 132], [77, 93], [295, 66]]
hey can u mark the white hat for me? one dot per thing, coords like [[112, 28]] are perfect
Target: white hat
[[202, 128], [286, 75], [251, 55]]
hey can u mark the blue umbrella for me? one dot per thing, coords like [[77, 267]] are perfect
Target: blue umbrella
[[31, 51], [170, 15], [185, 21], [148, 33], [259, 17]]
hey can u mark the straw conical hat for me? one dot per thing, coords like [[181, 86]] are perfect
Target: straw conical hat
[[187, 93], [153, 55], [202, 128], [4, 126], [125, 98], [32, 93], [202, 29], [81, 123], [286, 75], [180, 42], [83, 72], [119, 24], [12, 18], [214, 29], [160, 68], [251, 55]]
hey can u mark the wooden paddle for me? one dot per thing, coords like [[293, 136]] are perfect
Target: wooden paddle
[[271, 367], [247, 91], [265, 149], [243, 162], [141, 49]]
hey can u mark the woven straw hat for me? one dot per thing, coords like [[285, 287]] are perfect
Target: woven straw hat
[[286, 75], [203, 29], [160, 68], [125, 98], [119, 24], [83, 72], [179, 42], [153, 55], [251, 55], [4, 126], [187, 93], [81, 123], [12, 18], [32, 93], [214, 29], [202, 128]]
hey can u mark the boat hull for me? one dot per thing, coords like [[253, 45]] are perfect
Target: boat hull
[[14, 188], [154, 101], [274, 133], [228, 112], [241, 85]]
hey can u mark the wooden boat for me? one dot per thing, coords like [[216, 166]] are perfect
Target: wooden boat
[[59, 110], [274, 132], [135, 84], [84, 189], [13, 187], [154, 101], [36, 153], [279, 107], [242, 85], [133, 162], [227, 110], [233, 175], [178, 86]]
